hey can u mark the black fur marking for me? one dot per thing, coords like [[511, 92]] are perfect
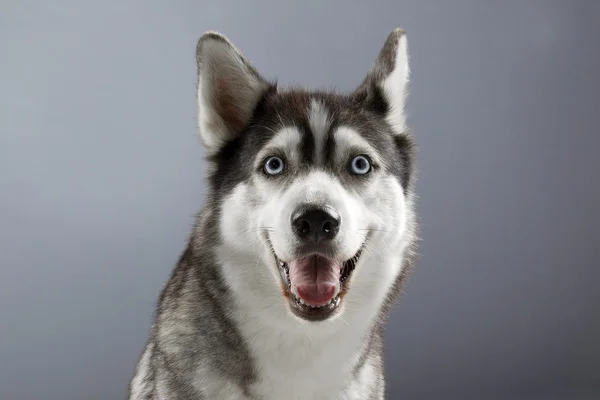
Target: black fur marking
[[377, 102], [307, 147], [406, 149], [329, 146]]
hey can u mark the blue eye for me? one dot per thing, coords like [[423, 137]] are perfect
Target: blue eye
[[360, 165], [274, 166]]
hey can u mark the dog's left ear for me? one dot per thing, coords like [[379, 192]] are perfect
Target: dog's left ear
[[229, 89], [385, 88]]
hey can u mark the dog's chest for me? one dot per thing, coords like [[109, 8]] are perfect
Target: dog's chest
[[298, 366]]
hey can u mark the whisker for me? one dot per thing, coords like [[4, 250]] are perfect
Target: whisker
[[252, 243], [260, 228], [307, 334], [374, 230], [370, 249], [256, 265], [280, 120]]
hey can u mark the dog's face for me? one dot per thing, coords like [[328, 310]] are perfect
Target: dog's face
[[313, 188]]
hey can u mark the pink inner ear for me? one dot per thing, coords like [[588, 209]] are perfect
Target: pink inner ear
[[227, 106], [221, 85]]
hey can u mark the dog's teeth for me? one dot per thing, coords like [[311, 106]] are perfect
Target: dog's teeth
[[295, 292]]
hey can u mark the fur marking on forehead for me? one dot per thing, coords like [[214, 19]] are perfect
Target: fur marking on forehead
[[319, 122], [287, 139], [348, 140]]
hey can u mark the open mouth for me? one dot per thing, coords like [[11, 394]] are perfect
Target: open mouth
[[315, 285]]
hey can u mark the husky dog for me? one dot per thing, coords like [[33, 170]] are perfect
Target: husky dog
[[304, 241]]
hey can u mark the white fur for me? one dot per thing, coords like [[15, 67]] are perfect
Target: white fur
[[359, 389], [286, 140], [395, 87], [349, 142], [318, 120], [296, 359], [139, 387]]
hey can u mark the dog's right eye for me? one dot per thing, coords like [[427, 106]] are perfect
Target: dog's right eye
[[274, 166]]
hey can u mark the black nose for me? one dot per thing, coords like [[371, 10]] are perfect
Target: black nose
[[316, 223]]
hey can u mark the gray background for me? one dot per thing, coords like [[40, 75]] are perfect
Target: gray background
[[101, 172]]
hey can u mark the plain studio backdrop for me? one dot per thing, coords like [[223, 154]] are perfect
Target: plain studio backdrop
[[101, 173]]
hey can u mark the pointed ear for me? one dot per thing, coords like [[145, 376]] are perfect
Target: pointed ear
[[385, 88], [229, 88]]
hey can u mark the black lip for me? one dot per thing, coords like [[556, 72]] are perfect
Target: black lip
[[316, 313]]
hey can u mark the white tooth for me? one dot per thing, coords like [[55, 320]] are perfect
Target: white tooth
[[299, 300], [295, 292]]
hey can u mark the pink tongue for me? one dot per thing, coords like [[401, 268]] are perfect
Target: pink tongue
[[315, 278]]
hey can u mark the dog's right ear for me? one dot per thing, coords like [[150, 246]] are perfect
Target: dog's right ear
[[229, 88]]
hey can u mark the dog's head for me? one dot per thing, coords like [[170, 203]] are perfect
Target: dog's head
[[313, 189]]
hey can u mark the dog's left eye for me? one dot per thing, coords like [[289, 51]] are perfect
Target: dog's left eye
[[360, 165], [274, 166]]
